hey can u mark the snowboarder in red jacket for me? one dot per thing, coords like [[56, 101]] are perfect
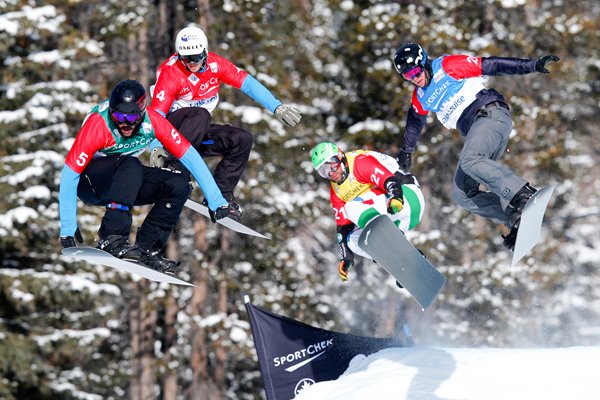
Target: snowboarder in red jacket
[[187, 91], [363, 185], [105, 154]]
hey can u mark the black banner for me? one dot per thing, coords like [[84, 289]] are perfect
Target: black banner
[[293, 355]]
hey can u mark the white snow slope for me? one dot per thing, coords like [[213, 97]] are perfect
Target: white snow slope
[[466, 374]]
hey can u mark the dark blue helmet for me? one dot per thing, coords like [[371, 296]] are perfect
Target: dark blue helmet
[[408, 56], [127, 106], [128, 97]]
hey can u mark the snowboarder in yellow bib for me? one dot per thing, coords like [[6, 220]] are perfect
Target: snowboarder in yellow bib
[[364, 185]]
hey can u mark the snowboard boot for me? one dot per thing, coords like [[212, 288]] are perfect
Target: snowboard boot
[[119, 247], [235, 205], [510, 239], [155, 260], [516, 205], [515, 209], [235, 211]]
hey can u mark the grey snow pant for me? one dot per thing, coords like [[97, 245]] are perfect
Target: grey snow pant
[[485, 143]]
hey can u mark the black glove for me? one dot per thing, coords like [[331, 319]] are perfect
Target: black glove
[[223, 212], [346, 255], [69, 241], [404, 159], [393, 187], [540, 64], [346, 262]]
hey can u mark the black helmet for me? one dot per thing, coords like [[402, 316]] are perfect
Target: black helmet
[[128, 97], [408, 56]]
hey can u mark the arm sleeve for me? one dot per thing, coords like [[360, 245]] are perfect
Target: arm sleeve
[[255, 90], [495, 66], [67, 201], [94, 135], [163, 94], [169, 137], [342, 232], [178, 146], [414, 125], [367, 169], [196, 165], [338, 207], [461, 66], [155, 143]]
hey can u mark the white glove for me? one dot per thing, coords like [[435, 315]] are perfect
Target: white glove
[[158, 156], [288, 115]]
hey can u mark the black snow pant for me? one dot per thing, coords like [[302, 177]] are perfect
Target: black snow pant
[[232, 143], [123, 180]]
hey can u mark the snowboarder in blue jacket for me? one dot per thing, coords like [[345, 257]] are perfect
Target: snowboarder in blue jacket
[[452, 86]]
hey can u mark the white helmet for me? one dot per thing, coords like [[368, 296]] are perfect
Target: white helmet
[[191, 40]]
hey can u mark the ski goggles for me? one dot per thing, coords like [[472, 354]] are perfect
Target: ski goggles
[[413, 73], [193, 58], [329, 166], [123, 118]]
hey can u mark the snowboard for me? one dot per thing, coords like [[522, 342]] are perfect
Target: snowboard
[[388, 246], [93, 255], [227, 222], [530, 226]]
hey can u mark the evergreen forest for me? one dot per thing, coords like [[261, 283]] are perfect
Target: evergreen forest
[[71, 330]]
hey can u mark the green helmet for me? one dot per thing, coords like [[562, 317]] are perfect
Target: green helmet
[[323, 153], [328, 157]]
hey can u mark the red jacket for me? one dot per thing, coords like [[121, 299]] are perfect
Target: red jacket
[[176, 87]]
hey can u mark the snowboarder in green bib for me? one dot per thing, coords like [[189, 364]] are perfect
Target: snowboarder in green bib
[[105, 153], [364, 185]]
